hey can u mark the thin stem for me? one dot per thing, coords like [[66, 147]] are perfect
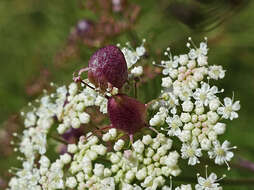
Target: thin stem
[[58, 139], [88, 85], [135, 89]]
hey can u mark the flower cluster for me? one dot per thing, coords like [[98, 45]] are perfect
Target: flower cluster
[[145, 164], [188, 109], [132, 56]]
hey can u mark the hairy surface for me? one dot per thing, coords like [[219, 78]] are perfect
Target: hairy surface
[[108, 65], [126, 113]]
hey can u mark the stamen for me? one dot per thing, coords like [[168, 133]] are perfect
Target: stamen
[[192, 43], [222, 177], [153, 129], [227, 164]]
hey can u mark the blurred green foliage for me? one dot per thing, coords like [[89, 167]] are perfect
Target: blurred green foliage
[[33, 31]]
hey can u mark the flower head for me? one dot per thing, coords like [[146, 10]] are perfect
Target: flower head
[[228, 110]]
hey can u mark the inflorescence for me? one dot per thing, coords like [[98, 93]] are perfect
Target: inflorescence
[[188, 111]]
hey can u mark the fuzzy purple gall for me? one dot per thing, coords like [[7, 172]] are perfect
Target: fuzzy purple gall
[[107, 68], [126, 114]]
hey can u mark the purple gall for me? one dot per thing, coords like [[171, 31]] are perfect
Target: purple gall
[[107, 68], [126, 114]]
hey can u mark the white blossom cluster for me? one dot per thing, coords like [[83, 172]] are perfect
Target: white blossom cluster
[[132, 56], [147, 163], [68, 106], [189, 107]]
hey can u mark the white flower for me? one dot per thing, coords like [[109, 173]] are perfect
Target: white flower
[[30, 119], [185, 117], [119, 145], [137, 71], [219, 128], [205, 144], [140, 51], [108, 183], [71, 182], [138, 146], [204, 94], [65, 158], [208, 183], [72, 148], [183, 59], [174, 125], [228, 111], [187, 106], [214, 104], [184, 93], [84, 117], [73, 88], [184, 187], [192, 152], [170, 100], [216, 72], [141, 174], [130, 57], [185, 135], [147, 139], [159, 118], [221, 153], [98, 170], [166, 82]]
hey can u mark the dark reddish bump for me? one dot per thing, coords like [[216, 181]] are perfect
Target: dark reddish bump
[[126, 113], [108, 66]]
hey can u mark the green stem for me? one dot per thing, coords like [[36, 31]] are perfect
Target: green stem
[[58, 139]]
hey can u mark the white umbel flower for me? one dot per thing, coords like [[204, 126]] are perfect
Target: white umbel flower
[[216, 72], [71, 182], [228, 111], [209, 182], [204, 94], [166, 82], [137, 71], [174, 125], [191, 152], [221, 153], [184, 187]]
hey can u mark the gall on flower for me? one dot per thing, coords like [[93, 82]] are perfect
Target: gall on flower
[[126, 114], [107, 68]]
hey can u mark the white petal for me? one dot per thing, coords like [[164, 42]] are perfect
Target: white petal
[[198, 187], [236, 106], [214, 89], [213, 177], [227, 101], [193, 160], [219, 160], [201, 180], [220, 110], [225, 144], [233, 115], [229, 156]]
